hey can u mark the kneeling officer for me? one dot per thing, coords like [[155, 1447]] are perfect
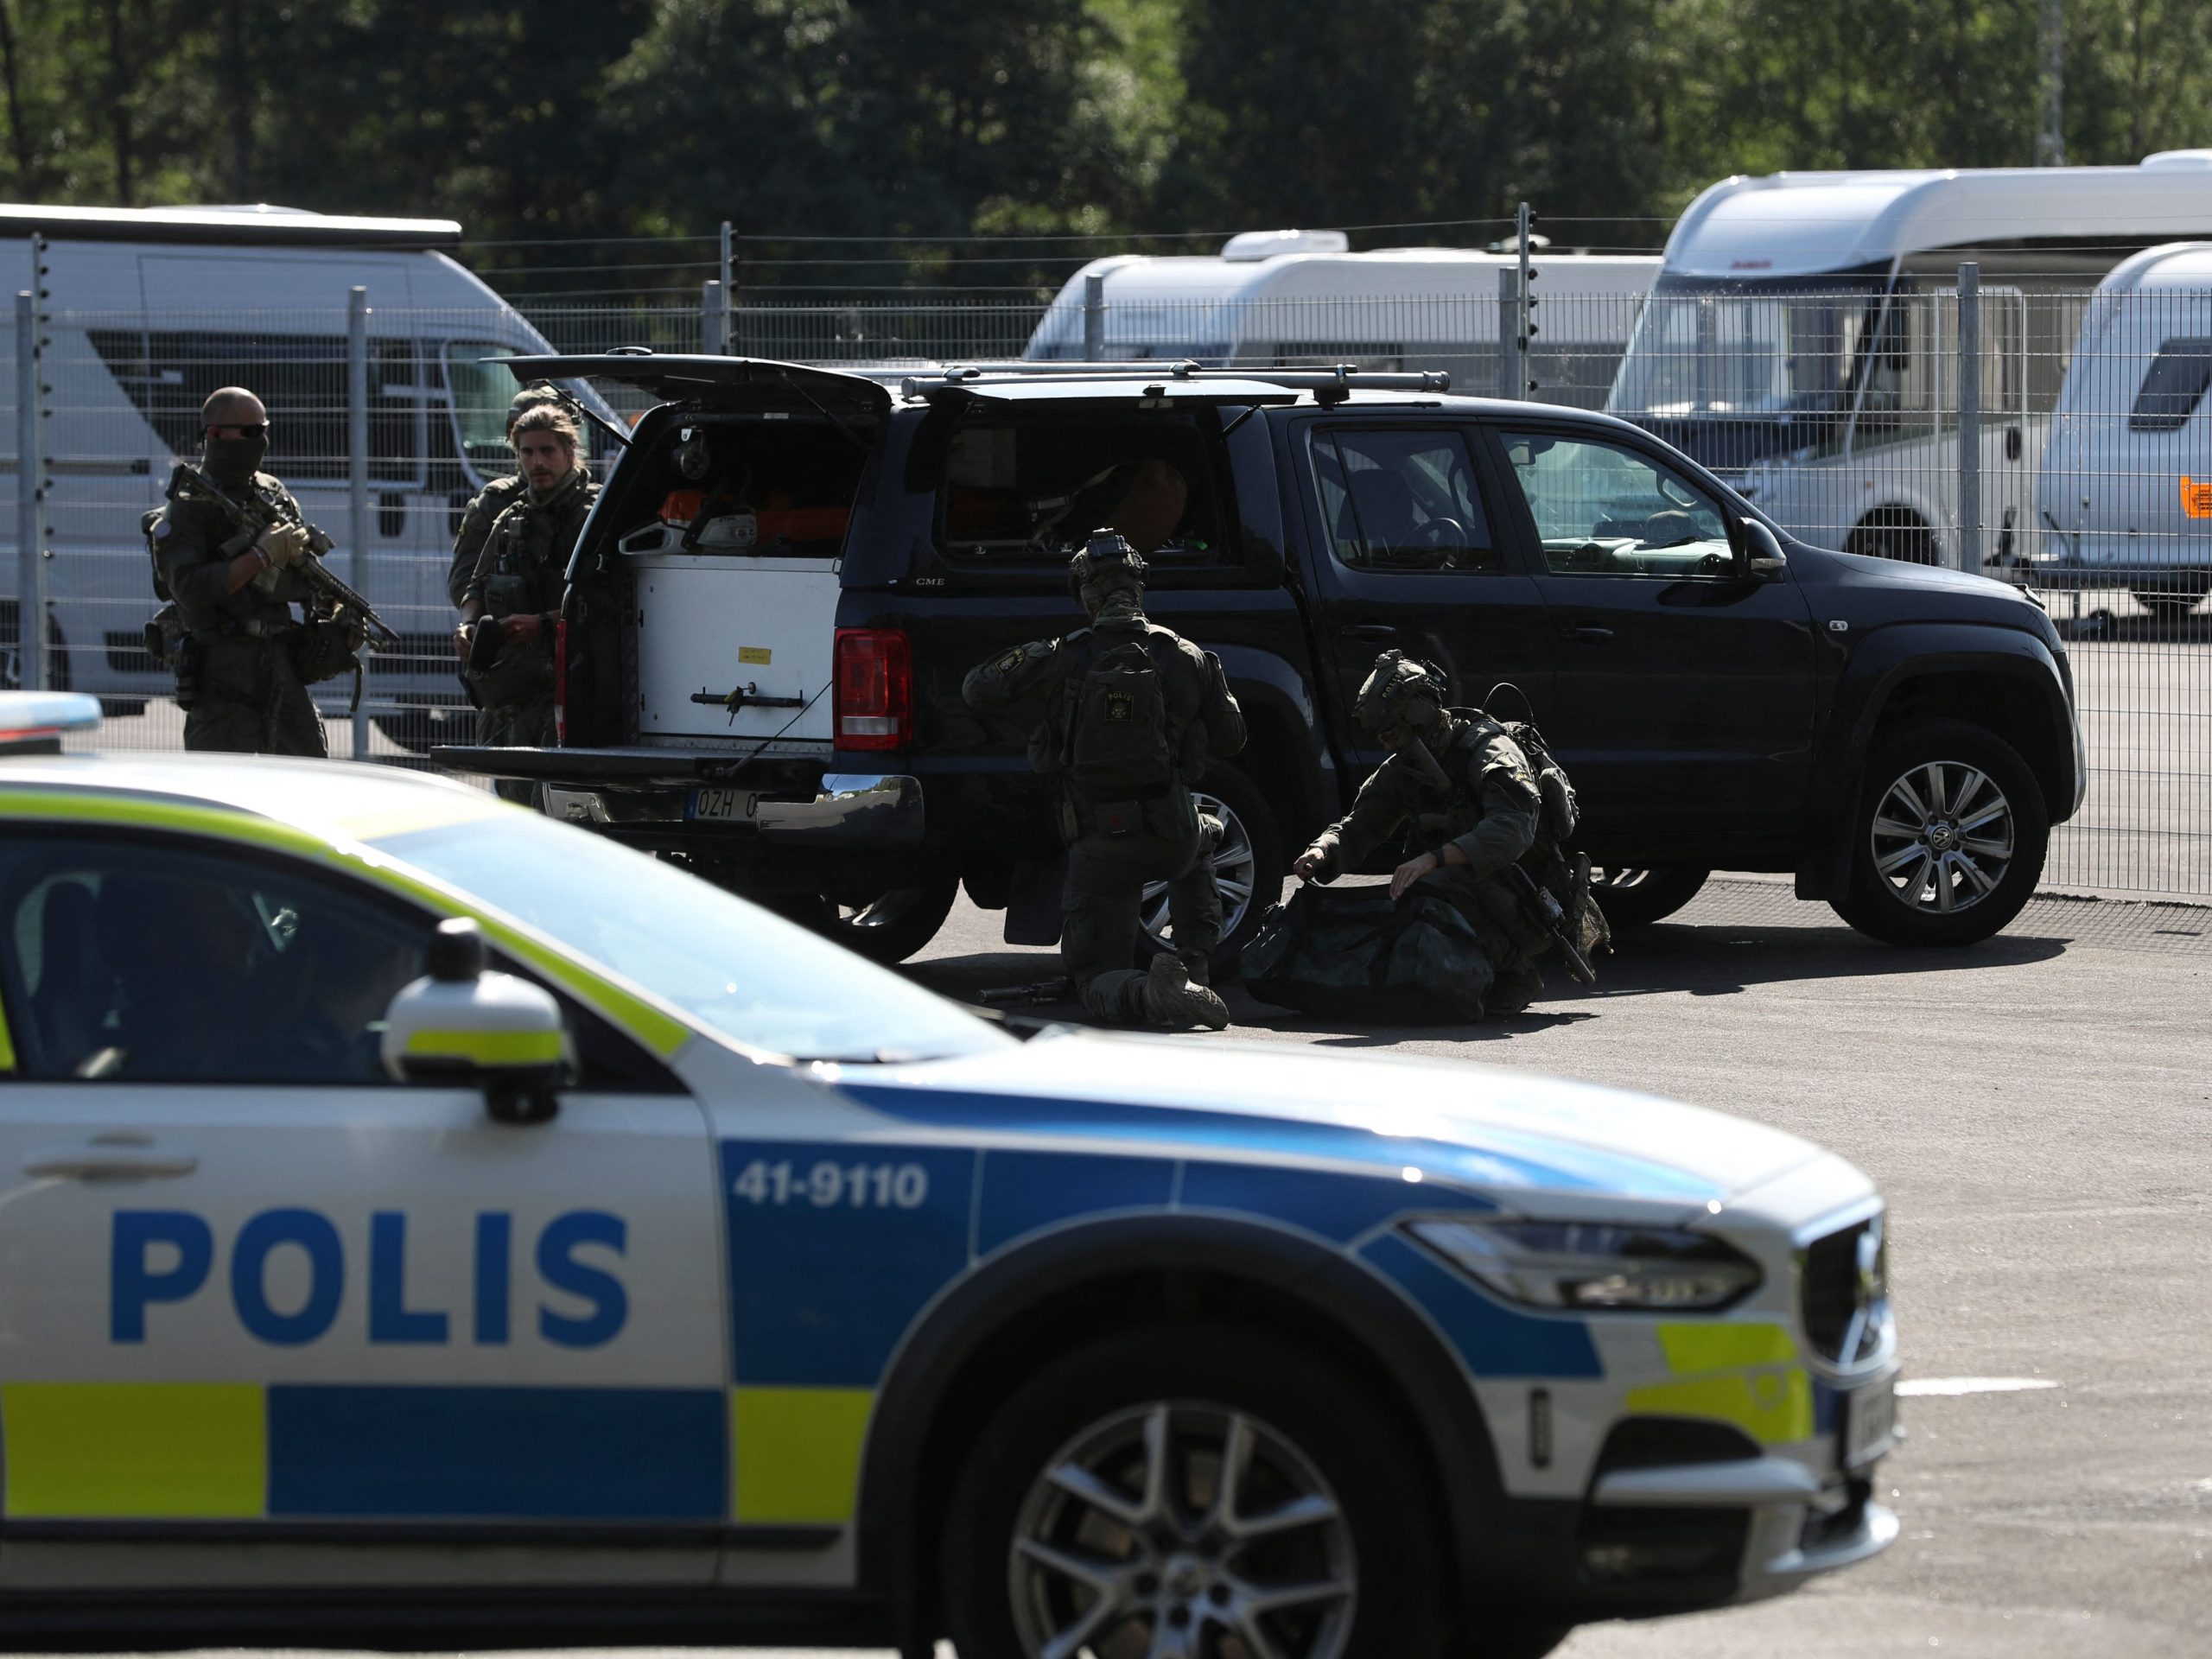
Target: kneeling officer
[[1469, 789], [1135, 711]]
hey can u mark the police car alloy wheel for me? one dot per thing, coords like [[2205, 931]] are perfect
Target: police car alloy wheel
[[1204, 1493], [1948, 840]]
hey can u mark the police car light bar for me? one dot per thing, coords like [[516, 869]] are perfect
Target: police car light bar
[[33, 722]]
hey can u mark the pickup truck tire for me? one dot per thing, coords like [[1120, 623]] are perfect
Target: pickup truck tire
[[892, 925], [1250, 864], [1633, 899], [1948, 837], [1094, 1503]]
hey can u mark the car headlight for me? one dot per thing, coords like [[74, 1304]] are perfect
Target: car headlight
[[1578, 1264]]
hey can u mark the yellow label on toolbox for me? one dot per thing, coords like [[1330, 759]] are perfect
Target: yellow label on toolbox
[[760, 654]]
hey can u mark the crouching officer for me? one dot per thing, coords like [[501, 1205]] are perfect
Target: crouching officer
[[226, 550], [1133, 712], [512, 603], [1473, 796]]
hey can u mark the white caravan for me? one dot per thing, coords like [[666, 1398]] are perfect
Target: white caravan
[[1285, 299], [2125, 492], [1802, 340], [147, 311]]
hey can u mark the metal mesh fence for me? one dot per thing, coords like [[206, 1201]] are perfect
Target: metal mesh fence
[[2065, 446]]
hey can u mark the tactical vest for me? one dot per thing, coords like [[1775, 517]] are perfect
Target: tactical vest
[[1119, 738]]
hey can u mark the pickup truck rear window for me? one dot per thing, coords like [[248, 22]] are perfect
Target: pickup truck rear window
[[1032, 487]]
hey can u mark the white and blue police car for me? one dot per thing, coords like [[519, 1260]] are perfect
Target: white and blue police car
[[424, 1222]]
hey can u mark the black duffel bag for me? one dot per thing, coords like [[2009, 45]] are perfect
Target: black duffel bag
[[1352, 953]]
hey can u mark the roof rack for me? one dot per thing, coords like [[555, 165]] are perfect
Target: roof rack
[[1328, 385]]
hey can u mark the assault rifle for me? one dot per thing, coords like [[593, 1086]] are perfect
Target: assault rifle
[[256, 514], [1537, 902]]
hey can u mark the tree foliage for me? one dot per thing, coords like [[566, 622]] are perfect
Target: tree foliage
[[939, 120]]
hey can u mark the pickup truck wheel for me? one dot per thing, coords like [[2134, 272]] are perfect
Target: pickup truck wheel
[[1249, 867], [1948, 840], [1194, 1492], [1633, 899], [892, 925]]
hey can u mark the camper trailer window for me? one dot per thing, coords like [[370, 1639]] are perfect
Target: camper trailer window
[[1603, 511], [2174, 386], [1398, 499], [301, 377]]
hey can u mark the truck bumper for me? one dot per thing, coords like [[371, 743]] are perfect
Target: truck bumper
[[849, 809]]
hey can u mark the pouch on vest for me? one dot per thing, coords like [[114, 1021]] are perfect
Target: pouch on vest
[[1117, 737], [146, 526]]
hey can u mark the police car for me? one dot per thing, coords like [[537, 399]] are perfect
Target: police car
[[423, 1221]]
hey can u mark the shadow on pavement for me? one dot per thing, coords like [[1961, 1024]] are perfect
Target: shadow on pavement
[[1696, 958]]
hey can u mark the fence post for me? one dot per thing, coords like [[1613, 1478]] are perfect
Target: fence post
[[729, 288], [1508, 311], [1527, 329], [714, 318], [357, 474], [1094, 318], [30, 468], [1969, 539]]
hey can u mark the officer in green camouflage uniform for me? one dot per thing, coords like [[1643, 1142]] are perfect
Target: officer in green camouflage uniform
[[511, 602], [1471, 795], [1133, 713], [493, 498], [245, 659]]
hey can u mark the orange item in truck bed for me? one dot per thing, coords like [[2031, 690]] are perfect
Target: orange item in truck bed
[[682, 507], [803, 524]]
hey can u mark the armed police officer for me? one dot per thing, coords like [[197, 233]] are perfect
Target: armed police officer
[[494, 498], [1460, 779], [228, 548], [1133, 712], [511, 602]]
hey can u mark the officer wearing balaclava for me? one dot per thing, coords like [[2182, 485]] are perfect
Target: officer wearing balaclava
[[227, 556]]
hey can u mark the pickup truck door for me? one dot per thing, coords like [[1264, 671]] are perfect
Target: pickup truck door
[[1404, 548], [1685, 690]]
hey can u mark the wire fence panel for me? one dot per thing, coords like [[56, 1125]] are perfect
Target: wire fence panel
[[1845, 410]]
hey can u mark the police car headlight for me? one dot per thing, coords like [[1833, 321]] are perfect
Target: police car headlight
[[1579, 1264]]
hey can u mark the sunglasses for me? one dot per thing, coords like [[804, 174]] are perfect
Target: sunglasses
[[235, 430]]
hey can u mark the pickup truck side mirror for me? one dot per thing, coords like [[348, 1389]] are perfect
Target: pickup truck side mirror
[[459, 1024], [1760, 551]]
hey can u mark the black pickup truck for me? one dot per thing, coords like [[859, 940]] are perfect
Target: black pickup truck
[[791, 569]]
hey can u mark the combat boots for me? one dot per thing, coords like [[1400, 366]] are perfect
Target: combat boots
[[1172, 1002]]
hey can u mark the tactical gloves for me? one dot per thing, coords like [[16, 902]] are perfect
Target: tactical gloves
[[282, 545]]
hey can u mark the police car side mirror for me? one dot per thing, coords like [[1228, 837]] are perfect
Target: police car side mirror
[[462, 1025], [1760, 549]]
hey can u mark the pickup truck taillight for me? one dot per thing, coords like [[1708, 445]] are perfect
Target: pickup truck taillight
[[560, 681], [874, 682]]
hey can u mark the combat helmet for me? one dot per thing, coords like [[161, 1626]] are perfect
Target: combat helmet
[[1106, 560], [1400, 696], [533, 397]]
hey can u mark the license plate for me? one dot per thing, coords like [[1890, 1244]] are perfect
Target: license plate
[[1870, 1423], [721, 805]]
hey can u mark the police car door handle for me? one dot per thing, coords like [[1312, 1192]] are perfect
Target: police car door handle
[[132, 1158], [1367, 631]]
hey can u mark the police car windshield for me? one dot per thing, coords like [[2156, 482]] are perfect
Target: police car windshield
[[764, 981]]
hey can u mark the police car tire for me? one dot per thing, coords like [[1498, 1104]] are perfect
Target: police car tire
[[1402, 1609], [1871, 906]]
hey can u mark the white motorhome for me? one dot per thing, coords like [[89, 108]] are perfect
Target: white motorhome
[[1285, 299], [145, 311], [2124, 491], [1802, 338]]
